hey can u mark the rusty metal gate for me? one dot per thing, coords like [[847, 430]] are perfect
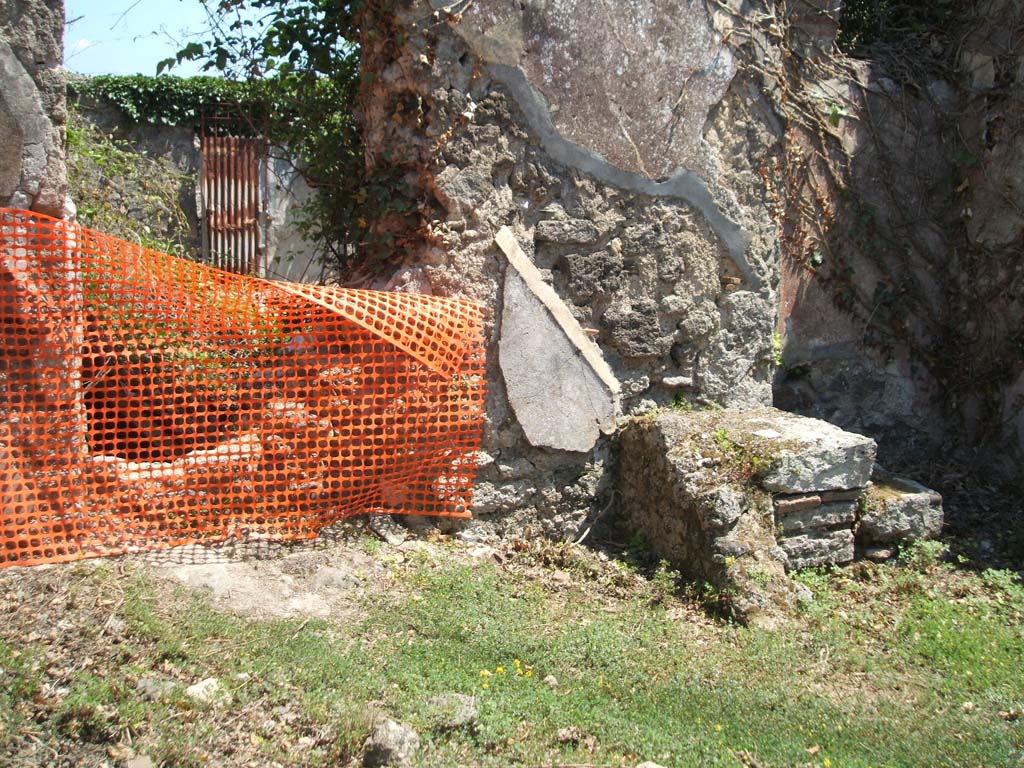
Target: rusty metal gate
[[233, 190]]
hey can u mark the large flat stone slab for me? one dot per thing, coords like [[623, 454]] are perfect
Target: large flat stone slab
[[807, 455], [784, 453], [560, 387]]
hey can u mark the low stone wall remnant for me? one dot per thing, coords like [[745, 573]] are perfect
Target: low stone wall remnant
[[738, 498]]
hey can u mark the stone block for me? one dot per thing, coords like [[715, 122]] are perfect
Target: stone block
[[896, 509], [809, 455], [822, 518], [721, 508], [635, 329], [593, 274], [785, 505], [566, 231], [709, 522], [815, 548]]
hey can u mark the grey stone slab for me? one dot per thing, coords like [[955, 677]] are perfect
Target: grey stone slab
[[897, 509], [809, 455], [818, 548], [822, 518], [563, 393]]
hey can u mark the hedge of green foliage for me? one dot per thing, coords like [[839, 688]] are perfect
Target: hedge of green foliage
[[167, 100]]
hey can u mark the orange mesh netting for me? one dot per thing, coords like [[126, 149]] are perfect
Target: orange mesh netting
[[148, 401]]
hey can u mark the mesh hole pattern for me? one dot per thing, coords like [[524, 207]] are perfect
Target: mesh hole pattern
[[148, 401]]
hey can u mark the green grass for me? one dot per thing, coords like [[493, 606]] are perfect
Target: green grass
[[887, 667]]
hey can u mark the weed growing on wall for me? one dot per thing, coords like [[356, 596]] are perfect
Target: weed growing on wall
[[867, 24], [124, 193]]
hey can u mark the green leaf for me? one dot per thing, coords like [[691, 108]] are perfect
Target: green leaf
[[191, 51]]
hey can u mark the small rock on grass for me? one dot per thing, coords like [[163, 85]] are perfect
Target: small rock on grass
[[390, 743], [453, 710], [386, 528], [649, 765], [575, 735], [154, 689], [208, 691]]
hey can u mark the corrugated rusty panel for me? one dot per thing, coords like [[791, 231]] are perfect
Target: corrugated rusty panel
[[232, 191]]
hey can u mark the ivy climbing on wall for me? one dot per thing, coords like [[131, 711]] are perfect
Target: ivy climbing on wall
[[884, 138]]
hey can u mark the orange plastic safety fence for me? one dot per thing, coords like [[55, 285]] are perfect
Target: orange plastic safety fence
[[148, 401]]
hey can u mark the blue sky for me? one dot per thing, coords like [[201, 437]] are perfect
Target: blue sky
[[125, 37]]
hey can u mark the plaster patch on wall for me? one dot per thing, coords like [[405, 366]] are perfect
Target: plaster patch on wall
[[624, 101]]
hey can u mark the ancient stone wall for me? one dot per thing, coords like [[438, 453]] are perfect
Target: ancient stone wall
[[32, 107], [840, 359], [737, 498], [912, 336], [619, 142]]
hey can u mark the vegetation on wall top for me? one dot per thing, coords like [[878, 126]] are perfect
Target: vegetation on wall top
[[919, 30], [165, 100], [302, 56]]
